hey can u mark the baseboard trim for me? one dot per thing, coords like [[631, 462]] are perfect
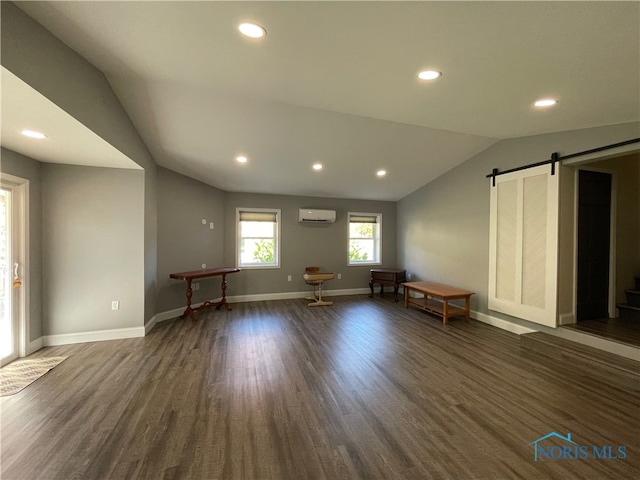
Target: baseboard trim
[[136, 332], [34, 346], [260, 297], [566, 319], [500, 323], [95, 336]]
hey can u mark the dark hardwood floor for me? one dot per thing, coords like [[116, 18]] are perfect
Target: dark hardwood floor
[[620, 330], [365, 389]]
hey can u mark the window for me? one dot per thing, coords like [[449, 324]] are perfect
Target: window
[[365, 238], [258, 236]]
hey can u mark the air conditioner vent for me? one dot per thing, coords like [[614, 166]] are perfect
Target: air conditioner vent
[[313, 215]]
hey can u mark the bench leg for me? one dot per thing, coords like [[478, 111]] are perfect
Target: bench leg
[[445, 313]]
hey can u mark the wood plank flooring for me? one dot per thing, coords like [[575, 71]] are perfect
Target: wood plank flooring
[[621, 330], [365, 389]]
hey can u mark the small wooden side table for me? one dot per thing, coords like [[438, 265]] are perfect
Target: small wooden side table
[[387, 276]]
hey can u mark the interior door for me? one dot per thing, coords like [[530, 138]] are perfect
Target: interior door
[[594, 234], [523, 239]]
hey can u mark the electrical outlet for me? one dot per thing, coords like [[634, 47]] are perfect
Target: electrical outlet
[[409, 276], [339, 276], [288, 278], [115, 305], [196, 286], [211, 225]]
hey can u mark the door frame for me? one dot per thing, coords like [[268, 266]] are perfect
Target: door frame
[[611, 307], [20, 238]]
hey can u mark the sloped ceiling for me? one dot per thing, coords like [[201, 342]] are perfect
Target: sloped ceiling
[[335, 82]]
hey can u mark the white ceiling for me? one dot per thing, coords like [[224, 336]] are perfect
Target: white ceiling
[[335, 82], [25, 109]]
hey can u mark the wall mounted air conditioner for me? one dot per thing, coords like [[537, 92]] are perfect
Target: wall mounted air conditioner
[[312, 215]]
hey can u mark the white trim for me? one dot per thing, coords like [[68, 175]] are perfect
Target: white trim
[[567, 318], [276, 264], [95, 336], [23, 258], [377, 240], [260, 297], [34, 346], [290, 295], [603, 155], [500, 323], [601, 343], [20, 245]]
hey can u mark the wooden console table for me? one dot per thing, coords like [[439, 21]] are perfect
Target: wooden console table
[[196, 274], [432, 291], [387, 276]]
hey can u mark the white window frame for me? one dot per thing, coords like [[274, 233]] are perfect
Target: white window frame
[[377, 239], [278, 214]]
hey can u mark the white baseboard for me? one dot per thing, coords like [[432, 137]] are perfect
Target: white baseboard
[[95, 336], [566, 319], [260, 297], [500, 323], [135, 332], [34, 346]]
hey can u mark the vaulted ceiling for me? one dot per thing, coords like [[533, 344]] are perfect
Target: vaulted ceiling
[[336, 83]]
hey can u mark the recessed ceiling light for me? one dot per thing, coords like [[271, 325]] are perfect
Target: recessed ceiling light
[[241, 159], [252, 30], [381, 173], [33, 134], [317, 166], [545, 102], [429, 75]]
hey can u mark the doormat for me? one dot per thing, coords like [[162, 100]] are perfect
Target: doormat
[[21, 373]]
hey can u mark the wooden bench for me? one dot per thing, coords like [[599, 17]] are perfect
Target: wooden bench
[[432, 291]]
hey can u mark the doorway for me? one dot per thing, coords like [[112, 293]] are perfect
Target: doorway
[[8, 327], [14, 262], [594, 244]]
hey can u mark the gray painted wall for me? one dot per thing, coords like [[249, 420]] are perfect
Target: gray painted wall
[[92, 231], [41, 60], [305, 245], [443, 228], [24, 167], [184, 243]]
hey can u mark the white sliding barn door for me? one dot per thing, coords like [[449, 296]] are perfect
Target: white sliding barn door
[[523, 257]]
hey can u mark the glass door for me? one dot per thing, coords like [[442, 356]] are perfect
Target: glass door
[[8, 327]]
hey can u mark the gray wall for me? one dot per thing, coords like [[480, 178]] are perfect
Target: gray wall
[[24, 167], [443, 228], [305, 245], [184, 243], [41, 60], [92, 230]]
